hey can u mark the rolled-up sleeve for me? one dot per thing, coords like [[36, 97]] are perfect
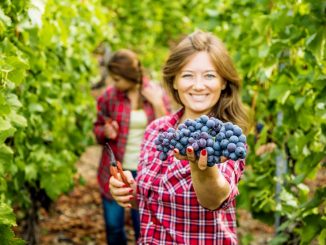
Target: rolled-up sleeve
[[98, 127], [232, 172]]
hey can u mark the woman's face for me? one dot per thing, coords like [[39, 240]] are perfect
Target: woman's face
[[121, 83], [199, 85]]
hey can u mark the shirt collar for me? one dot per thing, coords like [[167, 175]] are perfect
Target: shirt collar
[[172, 120]]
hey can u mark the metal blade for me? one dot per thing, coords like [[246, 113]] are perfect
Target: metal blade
[[111, 154]]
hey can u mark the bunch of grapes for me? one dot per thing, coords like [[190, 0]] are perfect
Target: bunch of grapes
[[218, 138]]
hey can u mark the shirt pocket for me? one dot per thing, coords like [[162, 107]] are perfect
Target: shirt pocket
[[177, 178]]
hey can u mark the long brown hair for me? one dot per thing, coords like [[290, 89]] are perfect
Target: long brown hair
[[126, 64], [229, 107]]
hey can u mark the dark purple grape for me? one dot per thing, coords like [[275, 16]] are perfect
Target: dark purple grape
[[216, 146], [228, 133], [210, 142], [170, 136], [225, 153], [231, 147], [179, 146], [224, 143], [204, 118], [237, 130], [195, 146], [228, 126], [202, 143], [184, 141], [199, 126], [213, 133], [220, 136], [191, 140], [242, 138], [233, 156], [181, 126], [165, 142], [191, 128], [204, 129], [240, 144], [210, 123], [157, 141], [163, 156], [234, 139], [217, 153], [210, 159], [171, 130], [185, 131], [188, 122], [240, 152], [204, 135], [210, 151], [195, 135], [166, 149], [183, 151]]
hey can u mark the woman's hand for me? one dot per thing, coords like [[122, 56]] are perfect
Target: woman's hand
[[153, 93], [204, 177], [111, 129], [201, 162], [125, 196]]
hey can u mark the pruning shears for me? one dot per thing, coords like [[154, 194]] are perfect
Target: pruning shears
[[115, 166]]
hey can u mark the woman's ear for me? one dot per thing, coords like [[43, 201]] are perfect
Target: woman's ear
[[224, 84], [174, 85]]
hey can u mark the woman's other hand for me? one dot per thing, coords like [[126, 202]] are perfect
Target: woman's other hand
[[124, 195], [111, 129]]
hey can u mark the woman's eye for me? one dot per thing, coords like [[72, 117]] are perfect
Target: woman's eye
[[210, 76], [186, 76]]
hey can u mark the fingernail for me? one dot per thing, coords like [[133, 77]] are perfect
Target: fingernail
[[131, 198], [204, 152], [175, 151], [125, 185], [131, 191], [189, 150]]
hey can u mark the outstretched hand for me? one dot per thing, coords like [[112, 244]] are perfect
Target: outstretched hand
[[191, 157]]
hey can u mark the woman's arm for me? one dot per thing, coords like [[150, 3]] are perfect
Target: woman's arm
[[211, 188], [158, 99], [210, 185]]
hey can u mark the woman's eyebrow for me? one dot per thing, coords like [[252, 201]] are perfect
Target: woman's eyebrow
[[195, 71]]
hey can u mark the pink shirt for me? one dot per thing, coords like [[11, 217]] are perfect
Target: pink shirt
[[168, 206]]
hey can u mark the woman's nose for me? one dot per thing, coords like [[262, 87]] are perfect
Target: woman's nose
[[198, 83]]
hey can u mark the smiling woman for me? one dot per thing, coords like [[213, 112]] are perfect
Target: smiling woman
[[180, 199]]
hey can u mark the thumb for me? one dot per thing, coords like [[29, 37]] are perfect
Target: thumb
[[129, 177]]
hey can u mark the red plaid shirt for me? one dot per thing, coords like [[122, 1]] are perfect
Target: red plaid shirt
[[116, 105], [170, 212]]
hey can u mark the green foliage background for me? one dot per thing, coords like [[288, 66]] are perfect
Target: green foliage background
[[46, 114]]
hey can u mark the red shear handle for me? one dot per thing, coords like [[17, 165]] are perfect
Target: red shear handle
[[114, 171], [118, 169], [123, 176]]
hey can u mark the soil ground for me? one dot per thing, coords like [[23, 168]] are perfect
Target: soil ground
[[77, 219]]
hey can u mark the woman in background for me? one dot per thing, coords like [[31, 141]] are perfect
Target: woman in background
[[124, 111]]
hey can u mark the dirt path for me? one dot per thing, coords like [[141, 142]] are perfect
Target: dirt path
[[76, 218]]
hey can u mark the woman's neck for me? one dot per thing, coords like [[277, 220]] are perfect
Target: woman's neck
[[191, 115], [134, 97]]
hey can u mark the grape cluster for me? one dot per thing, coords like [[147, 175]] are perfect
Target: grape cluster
[[218, 138]]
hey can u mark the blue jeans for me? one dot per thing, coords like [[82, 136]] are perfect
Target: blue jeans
[[114, 217]]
